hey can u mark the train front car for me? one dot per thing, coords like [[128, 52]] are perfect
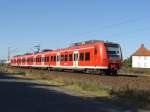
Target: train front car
[[114, 57]]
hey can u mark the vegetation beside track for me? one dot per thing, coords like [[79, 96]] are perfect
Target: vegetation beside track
[[127, 69], [129, 90]]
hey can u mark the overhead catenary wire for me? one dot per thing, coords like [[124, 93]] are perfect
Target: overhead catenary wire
[[114, 25]]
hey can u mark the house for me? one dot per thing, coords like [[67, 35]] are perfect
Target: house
[[141, 58]]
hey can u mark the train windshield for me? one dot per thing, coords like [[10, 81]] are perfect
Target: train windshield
[[113, 50]]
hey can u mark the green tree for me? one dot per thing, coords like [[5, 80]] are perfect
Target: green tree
[[128, 62]]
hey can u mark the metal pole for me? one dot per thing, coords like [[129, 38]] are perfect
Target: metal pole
[[9, 53]]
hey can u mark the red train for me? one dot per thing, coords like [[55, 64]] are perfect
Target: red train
[[90, 56]]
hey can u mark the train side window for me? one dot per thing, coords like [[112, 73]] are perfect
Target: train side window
[[57, 58], [66, 57], [70, 57], [95, 51], [87, 56], [47, 58], [81, 56], [51, 58], [54, 58], [62, 57]]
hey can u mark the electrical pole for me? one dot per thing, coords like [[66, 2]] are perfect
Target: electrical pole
[[9, 53], [38, 47]]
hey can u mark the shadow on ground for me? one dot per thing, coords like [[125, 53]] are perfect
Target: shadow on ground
[[17, 95]]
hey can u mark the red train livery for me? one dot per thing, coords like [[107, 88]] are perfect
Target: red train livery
[[91, 56]]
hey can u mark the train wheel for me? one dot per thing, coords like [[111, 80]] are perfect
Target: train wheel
[[114, 73]]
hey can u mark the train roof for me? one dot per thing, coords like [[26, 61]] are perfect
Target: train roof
[[74, 46], [85, 43]]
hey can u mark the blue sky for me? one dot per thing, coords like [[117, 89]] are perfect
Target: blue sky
[[57, 23]]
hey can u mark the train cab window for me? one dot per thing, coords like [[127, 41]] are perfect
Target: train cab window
[[87, 56], [81, 56], [66, 57], [70, 57]]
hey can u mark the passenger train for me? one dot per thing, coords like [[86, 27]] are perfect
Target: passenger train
[[92, 56]]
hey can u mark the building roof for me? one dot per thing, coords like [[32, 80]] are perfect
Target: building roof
[[142, 51]]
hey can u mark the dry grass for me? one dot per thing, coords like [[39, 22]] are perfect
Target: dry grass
[[135, 97]]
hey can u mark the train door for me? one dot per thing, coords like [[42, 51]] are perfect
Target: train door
[[75, 62], [58, 60], [43, 60], [34, 60], [95, 57]]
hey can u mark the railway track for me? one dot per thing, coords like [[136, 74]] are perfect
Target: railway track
[[69, 72], [134, 81]]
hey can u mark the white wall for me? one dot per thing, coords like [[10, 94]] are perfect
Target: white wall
[[141, 61]]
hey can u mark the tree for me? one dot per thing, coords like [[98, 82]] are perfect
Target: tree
[[128, 62]]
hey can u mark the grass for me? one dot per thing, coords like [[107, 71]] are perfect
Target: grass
[[80, 87], [130, 70], [136, 98]]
